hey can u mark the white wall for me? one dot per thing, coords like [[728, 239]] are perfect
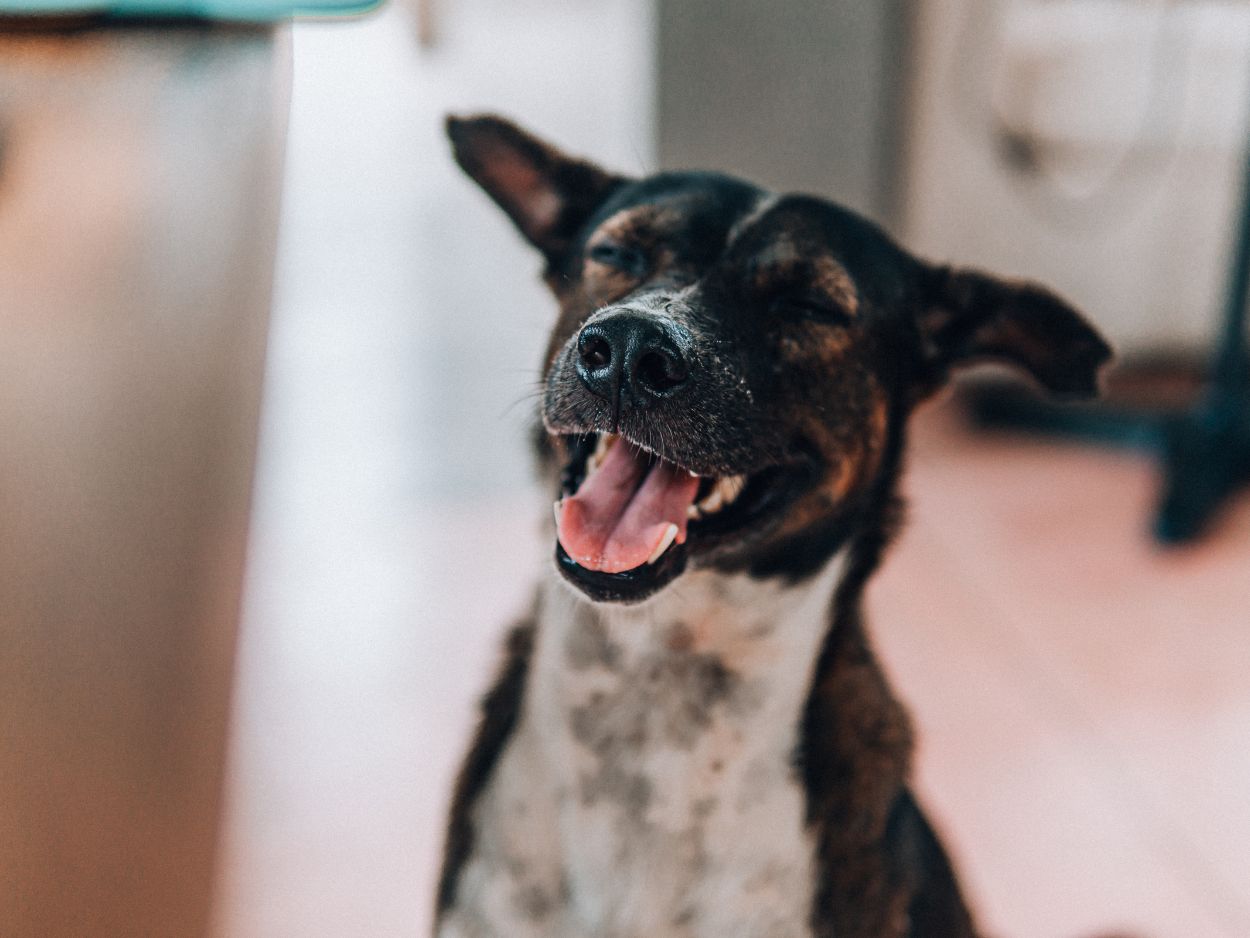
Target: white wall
[[395, 529], [1143, 245]]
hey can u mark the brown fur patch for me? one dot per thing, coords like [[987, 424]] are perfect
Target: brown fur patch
[[832, 278], [641, 229], [604, 284], [813, 343], [852, 448], [784, 264]]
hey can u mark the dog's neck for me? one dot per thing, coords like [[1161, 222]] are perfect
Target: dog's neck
[[711, 650], [716, 612], [664, 734]]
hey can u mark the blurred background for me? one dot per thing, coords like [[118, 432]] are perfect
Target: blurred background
[[1082, 694], [1083, 697]]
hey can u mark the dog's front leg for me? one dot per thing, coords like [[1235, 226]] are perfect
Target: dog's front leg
[[511, 884], [882, 873], [502, 874]]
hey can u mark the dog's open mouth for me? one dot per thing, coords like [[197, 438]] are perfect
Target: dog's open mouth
[[629, 519]]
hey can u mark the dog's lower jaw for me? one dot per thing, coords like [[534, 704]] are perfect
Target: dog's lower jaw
[[649, 785]]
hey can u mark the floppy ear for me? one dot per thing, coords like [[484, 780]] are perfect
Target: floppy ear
[[549, 196], [969, 317]]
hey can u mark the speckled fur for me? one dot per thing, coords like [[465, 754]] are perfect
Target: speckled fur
[[649, 788]]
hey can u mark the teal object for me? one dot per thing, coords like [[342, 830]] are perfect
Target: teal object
[[251, 11]]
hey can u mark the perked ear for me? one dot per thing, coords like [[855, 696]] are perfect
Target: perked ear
[[970, 317], [548, 195]]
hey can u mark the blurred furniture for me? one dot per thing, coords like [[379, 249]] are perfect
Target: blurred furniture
[[799, 95], [426, 17], [1205, 447], [139, 181], [233, 11]]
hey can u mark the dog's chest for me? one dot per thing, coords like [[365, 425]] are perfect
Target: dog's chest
[[649, 790]]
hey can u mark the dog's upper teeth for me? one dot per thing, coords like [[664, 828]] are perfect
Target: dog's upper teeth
[[670, 535], [595, 459], [723, 493]]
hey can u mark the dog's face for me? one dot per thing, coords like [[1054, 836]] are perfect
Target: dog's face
[[730, 372]]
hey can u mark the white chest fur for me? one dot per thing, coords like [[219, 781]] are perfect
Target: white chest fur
[[648, 789]]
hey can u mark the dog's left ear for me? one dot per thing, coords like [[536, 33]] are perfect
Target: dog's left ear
[[969, 317], [548, 195]]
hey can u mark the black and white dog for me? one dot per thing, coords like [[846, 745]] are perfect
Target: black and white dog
[[690, 735]]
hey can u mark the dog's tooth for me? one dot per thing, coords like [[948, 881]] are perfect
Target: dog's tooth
[[602, 446], [731, 487], [556, 508], [670, 535], [712, 502], [693, 513]]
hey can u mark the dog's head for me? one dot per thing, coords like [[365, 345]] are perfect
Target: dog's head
[[730, 372]]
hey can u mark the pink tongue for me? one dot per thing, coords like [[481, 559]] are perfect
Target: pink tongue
[[614, 523]]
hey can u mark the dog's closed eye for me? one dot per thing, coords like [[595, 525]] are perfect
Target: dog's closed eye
[[624, 258], [808, 305]]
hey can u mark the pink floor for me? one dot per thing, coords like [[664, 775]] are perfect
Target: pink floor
[[1083, 701], [1083, 697]]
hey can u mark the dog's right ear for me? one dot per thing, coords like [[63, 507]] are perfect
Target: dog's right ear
[[970, 316], [548, 195]]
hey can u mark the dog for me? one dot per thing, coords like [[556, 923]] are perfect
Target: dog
[[690, 734]]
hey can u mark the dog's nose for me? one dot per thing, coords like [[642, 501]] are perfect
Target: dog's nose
[[628, 351]]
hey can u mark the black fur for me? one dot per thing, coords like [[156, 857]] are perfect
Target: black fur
[[500, 709]]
